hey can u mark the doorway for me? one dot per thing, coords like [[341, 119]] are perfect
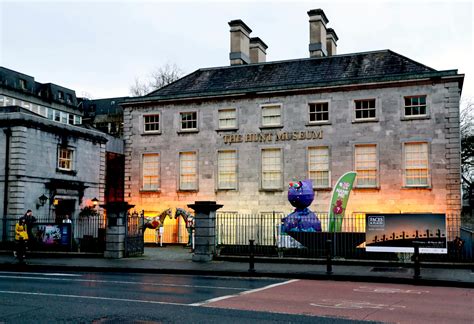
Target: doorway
[[64, 207]]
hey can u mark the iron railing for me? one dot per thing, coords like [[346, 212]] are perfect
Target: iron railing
[[233, 232], [88, 233]]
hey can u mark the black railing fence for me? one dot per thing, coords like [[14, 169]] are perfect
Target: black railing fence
[[88, 233], [233, 232]]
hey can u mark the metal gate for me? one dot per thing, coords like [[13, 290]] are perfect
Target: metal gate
[[134, 241]]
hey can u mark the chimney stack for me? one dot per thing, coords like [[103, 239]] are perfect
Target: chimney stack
[[317, 33], [331, 41], [258, 50], [239, 42]]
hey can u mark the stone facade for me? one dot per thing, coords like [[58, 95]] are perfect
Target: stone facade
[[33, 165], [389, 131]]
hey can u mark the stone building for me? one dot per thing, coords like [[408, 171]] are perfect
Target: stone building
[[53, 166], [238, 134]]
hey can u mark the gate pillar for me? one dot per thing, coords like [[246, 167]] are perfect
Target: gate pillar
[[115, 232], [204, 229]]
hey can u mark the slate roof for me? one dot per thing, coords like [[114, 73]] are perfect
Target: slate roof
[[377, 66]]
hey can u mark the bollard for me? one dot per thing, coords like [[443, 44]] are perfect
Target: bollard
[[328, 257], [251, 257], [416, 259]]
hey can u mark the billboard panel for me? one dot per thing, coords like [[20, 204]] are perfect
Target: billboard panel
[[397, 232]]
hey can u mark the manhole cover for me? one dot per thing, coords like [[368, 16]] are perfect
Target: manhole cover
[[386, 269]]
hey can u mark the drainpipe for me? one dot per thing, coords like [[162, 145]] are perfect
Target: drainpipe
[[8, 133]]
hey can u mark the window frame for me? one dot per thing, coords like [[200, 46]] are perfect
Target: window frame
[[188, 130], [236, 171], [142, 172], [279, 187], [309, 148], [376, 109], [143, 123], [22, 83], [428, 164], [268, 105], [196, 167], [236, 118], [319, 122], [71, 159], [377, 166], [426, 115]]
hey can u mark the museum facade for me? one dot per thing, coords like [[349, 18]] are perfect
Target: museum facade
[[239, 134]]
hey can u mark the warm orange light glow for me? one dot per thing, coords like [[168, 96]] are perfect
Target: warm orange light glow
[[56, 202]]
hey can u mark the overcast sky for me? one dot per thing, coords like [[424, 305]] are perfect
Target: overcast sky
[[100, 47]]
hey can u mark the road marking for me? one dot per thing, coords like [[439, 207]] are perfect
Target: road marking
[[385, 290], [44, 274], [213, 300], [124, 282], [91, 297], [349, 304]]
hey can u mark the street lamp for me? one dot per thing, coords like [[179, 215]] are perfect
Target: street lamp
[[95, 201], [41, 201]]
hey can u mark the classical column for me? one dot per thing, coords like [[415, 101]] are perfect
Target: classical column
[[204, 230]]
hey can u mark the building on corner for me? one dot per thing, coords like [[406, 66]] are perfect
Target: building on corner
[[238, 134]]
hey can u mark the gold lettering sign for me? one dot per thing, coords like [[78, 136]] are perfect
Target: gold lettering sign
[[273, 137]]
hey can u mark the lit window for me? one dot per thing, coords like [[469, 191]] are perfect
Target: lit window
[[271, 115], [151, 123], [318, 112], [151, 171], [365, 109], [318, 166], [65, 159], [187, 171], [416, 165], [227, 169], [271, 169], [366, 166], [415, 106], [77, 120], [189, 120], [227, 118]]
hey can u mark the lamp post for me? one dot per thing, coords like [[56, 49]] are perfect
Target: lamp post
[[95, 201]]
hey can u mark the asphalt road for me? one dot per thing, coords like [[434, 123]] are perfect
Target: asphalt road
[[137, 298]]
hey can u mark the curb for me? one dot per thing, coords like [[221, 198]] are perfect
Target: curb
[[243, 274]]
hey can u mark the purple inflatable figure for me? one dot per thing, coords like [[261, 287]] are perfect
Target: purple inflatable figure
[[300, 195]]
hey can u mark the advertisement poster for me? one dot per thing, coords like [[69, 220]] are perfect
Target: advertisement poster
[[340, 196], [397, 232], [50, 235]]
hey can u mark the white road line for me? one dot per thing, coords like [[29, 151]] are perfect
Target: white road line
[[213, 300], [92, 297], [123, 282], [44, 274]]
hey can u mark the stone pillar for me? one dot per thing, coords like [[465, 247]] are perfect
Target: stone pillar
[[204, 230], [116, 229]]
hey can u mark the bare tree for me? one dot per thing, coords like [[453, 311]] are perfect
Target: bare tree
[[139, 88], [467, 149], [157, 79]]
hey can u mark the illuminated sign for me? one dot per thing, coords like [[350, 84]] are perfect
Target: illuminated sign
[[272, 137]]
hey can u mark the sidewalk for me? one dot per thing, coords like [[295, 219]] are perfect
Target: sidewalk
[[177, 260]]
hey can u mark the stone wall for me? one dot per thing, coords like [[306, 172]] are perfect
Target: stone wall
[[440, 129]]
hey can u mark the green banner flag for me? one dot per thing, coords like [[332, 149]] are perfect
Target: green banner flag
[[340, 196]]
